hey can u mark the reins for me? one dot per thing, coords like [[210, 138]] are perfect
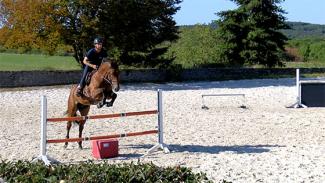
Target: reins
[[108, 81]]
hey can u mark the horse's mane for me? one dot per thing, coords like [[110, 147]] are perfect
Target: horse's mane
[[112, 62]]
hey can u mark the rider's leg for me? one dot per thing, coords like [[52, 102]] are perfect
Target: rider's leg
[[82, 81]]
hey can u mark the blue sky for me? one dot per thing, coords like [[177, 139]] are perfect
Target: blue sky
[[203, 11]]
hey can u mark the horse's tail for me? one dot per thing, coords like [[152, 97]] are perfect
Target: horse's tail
[[75, 123]]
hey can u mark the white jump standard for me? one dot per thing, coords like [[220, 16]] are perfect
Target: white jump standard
[[310, 93], [298, 103]]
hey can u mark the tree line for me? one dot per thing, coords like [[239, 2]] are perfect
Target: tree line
[[143, 33], [132, 29]]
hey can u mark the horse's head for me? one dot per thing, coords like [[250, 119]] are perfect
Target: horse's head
[[110, 73]]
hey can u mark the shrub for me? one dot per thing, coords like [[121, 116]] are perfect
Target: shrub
[[24, 171]]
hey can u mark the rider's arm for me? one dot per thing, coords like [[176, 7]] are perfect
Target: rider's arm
[[86, 62]]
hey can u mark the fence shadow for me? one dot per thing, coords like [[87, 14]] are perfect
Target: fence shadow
[[199, 85]]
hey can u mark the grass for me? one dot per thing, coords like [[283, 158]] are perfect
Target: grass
[[27, 62], [308, 64]]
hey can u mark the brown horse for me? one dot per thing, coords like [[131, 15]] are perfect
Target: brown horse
[[103, 83]]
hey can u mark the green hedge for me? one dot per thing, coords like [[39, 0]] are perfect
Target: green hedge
[[24, 171]]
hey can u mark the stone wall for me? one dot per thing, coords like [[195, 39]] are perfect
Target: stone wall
[[47, 78]]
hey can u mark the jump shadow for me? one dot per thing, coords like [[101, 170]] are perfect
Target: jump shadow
[[137, 146], [129, 156], [240, 149]]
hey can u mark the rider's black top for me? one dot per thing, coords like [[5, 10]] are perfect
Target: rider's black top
[[94, 57]]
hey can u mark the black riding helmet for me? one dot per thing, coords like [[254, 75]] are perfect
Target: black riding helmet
[[98, 41]]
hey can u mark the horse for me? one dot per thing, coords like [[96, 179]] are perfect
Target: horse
[[102, 85]]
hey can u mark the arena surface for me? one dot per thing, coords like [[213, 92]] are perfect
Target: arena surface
[[266, 142]]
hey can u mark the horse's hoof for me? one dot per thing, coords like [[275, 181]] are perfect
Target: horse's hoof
[[80, 147], [65, 146], [99, 105], [109, 104]]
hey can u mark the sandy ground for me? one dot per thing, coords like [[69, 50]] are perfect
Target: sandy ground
[[266, 142]]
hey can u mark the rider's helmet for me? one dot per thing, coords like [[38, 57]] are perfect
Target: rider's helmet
[[98, 41]]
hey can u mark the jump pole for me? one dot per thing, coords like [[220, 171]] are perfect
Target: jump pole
[[43, 141]]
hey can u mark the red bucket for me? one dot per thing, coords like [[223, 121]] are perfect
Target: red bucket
[[104, 148]]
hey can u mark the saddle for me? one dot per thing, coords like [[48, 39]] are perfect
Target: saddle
[[85, 90], [88, 77]]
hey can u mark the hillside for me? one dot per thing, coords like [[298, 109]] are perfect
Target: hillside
[[298, 30], [303, 30]]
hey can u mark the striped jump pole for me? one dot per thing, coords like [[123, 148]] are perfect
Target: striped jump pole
[[44, 141]]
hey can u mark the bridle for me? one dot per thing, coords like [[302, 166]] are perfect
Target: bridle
[[108, 81]]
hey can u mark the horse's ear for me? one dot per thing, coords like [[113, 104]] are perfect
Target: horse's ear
[[114, 64], [105, 59]]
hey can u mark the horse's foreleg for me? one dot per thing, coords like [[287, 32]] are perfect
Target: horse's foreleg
[[101, 103], [68, 131]]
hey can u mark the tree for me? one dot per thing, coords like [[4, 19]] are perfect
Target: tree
[[131, 28], [23, 23], [196, 47], [250, 34]]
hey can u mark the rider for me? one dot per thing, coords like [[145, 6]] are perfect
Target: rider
[[92, 61]]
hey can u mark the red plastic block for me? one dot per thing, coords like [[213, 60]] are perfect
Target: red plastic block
[[105, 148]]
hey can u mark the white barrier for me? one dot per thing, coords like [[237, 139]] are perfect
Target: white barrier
[[222, 95]]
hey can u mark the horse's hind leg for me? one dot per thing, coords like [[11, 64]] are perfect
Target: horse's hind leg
[[71, 112], [84, 110], [68, 131]]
